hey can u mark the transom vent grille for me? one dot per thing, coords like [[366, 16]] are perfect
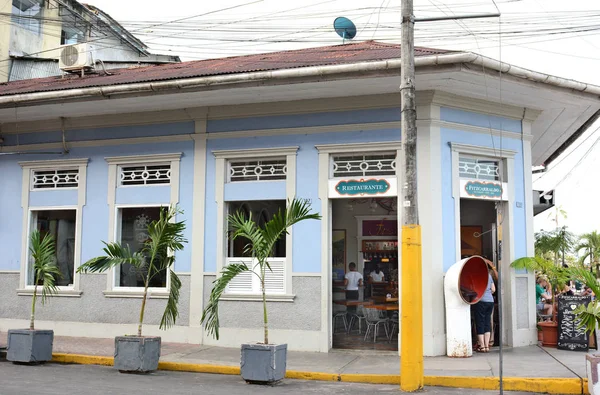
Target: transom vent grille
[[258, 170], [477, 168], [364, 165], [146, 174], [54, 179]]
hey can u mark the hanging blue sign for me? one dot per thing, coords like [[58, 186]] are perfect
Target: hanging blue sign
[[484, 189], [362, 187]]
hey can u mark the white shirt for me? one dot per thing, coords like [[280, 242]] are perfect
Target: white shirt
[[353, 279], [376, 277]]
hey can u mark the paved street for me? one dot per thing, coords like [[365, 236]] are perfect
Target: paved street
[[55, 379]]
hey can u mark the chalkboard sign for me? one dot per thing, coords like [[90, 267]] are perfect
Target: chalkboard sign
[[570, 336]]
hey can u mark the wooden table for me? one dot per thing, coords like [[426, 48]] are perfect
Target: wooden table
[[384, 307], [352, 302], [384, 299]]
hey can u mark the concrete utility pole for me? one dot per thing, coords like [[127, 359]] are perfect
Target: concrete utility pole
[[411, 358]]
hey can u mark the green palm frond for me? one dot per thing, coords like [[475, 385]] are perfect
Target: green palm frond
[[589, 316], [246, 228], [171, 311], [210, 315], [296, 211], [582, 274], [116, 255], [44, 263]]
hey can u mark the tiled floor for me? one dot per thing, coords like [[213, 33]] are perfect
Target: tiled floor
[[356, 341]]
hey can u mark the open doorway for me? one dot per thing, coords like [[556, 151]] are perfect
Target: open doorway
[[365, 246], [478, 222]]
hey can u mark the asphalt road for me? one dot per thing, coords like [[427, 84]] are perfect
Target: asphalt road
[[55, 379]]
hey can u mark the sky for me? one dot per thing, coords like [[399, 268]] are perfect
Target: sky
[[551, 36]]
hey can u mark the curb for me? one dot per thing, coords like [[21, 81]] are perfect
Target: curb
[[525, 384]]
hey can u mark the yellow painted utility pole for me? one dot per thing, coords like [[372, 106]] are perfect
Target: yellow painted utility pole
[[411, 358]]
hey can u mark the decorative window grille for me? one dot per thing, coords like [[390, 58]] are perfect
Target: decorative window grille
[[364, 165], [55, 179], [257, 170], [145, 174], [477, 168], [248, 283]]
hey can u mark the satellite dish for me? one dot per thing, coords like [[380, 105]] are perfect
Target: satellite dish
[[344, 27]]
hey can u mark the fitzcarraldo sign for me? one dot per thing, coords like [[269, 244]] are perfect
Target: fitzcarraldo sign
[[362, 187], [490, 190]]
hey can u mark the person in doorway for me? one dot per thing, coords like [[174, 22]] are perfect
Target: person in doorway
[[353, 280], [542, 296], [377, 275], [483, 316]]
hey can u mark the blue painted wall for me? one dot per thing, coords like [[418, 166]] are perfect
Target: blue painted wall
[[10, 212], [95, 212], [481, 120], [516, 179], [303, 120], [167, 129]]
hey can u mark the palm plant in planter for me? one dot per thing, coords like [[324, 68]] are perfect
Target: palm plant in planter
[[165, 237], [34, 345], [556, 276], [261, 362]]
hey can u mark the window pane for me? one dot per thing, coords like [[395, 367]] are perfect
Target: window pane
[[61, 225], [262, 211], [134, 232]]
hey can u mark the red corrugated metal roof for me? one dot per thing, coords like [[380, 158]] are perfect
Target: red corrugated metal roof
[[321, 56]]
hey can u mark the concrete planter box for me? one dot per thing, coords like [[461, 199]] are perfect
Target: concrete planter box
[[29, 346], [135, 354], [592, 368], [263, 363]]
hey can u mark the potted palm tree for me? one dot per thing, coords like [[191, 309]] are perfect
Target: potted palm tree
[[165, 237], [556, 276], [35, 345], [260, 362]]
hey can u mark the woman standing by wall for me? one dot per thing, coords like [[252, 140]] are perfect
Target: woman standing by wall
[[483, 315]]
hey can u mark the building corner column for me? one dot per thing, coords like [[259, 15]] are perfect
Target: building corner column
[[197, 243]]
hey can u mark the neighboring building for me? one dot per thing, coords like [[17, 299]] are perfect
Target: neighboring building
[[32, 36], [247, 133]]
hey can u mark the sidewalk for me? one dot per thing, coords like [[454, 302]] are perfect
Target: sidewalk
[[524, 362]]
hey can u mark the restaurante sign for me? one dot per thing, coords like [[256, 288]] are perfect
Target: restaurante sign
[[362, 187], [483, 189]]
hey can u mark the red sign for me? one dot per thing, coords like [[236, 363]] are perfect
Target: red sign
[[380, 227]]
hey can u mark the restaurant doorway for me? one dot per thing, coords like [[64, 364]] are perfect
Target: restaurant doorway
[[478, 236], [365, 246]]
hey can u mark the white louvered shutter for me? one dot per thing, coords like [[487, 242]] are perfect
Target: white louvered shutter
[[242, 283], [275, 278]]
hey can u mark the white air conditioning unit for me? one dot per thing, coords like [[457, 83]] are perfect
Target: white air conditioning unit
[[76, 57]]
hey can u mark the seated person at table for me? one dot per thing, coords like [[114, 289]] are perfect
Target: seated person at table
[[377, 275], [542, 293], [567, 289]]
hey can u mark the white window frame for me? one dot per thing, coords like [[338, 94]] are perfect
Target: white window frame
[[26, 191], [112, 290], [30, 229], [221, 166], [116, 237]]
